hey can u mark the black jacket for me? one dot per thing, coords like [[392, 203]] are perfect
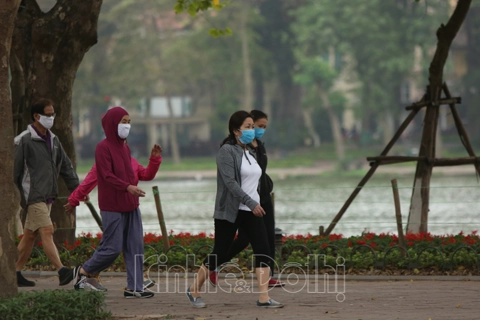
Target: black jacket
[[266, 184]]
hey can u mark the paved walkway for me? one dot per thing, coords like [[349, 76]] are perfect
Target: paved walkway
[[371, 298]]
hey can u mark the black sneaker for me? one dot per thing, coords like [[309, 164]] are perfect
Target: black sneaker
[[65, 276], [129, 294], [22, 282], [82, 281], [79, 279]]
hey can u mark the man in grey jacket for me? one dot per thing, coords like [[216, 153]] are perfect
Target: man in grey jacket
[[39, 160]]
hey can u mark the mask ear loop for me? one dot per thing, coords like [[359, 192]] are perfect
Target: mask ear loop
[[237, 138]]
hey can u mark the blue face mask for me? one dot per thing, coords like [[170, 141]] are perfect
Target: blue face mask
[[259, 132], [247, 136]]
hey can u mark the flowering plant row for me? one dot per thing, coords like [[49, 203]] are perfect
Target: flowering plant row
[[367, 253]]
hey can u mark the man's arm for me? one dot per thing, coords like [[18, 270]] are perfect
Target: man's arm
[[18, 168], [66, 170]]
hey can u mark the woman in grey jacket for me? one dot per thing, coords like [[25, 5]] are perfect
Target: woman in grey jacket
[[237, 205]]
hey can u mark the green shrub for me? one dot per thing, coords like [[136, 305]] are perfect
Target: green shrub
[[55, 304]]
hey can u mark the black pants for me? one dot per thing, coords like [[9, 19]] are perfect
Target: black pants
[[241, 242], [254, 229]]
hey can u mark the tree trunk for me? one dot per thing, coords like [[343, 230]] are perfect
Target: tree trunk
[[8, 209], [336, 128], [388, 125], [307, 119], [47, 49], [267, 98], [419, 205], [173, 134], [247, 66], [277, 38]]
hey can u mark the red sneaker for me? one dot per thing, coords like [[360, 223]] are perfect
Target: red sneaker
[[213, 278], [272, 283]]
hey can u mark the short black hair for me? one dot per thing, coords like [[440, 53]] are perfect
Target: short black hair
[[39, 106], [257, 115]]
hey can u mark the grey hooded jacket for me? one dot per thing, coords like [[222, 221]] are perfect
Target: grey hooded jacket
[[36, 169], [229, 182]]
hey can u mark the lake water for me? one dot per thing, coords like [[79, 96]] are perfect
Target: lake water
[[303, 204]]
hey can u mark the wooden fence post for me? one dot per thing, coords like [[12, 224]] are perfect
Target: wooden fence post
[[398, 214], [161, 220], [95, 215]]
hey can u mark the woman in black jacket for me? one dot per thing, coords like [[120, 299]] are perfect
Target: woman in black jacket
[[266, 187]]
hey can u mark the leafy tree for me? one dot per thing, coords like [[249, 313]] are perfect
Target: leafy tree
[[145, 57], [275, 91], [379, 38], [317, 78]]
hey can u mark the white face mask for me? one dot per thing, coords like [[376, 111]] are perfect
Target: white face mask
[[46, 122], [123, 130]]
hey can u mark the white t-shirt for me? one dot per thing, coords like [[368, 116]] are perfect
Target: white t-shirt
[[251, 173]]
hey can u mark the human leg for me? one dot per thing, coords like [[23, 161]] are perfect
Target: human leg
[[51, 251], [38, 222], [238, 245], [241, 242], [193, 292], [255, 229], [38, 216], [110, 246], [133, 249], [269, 221], [25, 248], [65, 274], [263, 275], [224, 235], [108, 250]]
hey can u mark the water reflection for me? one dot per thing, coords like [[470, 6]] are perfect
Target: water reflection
[[304, 204]]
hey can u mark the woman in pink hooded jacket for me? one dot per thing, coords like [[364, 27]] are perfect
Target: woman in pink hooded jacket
[[90, 181], [118, 199]]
